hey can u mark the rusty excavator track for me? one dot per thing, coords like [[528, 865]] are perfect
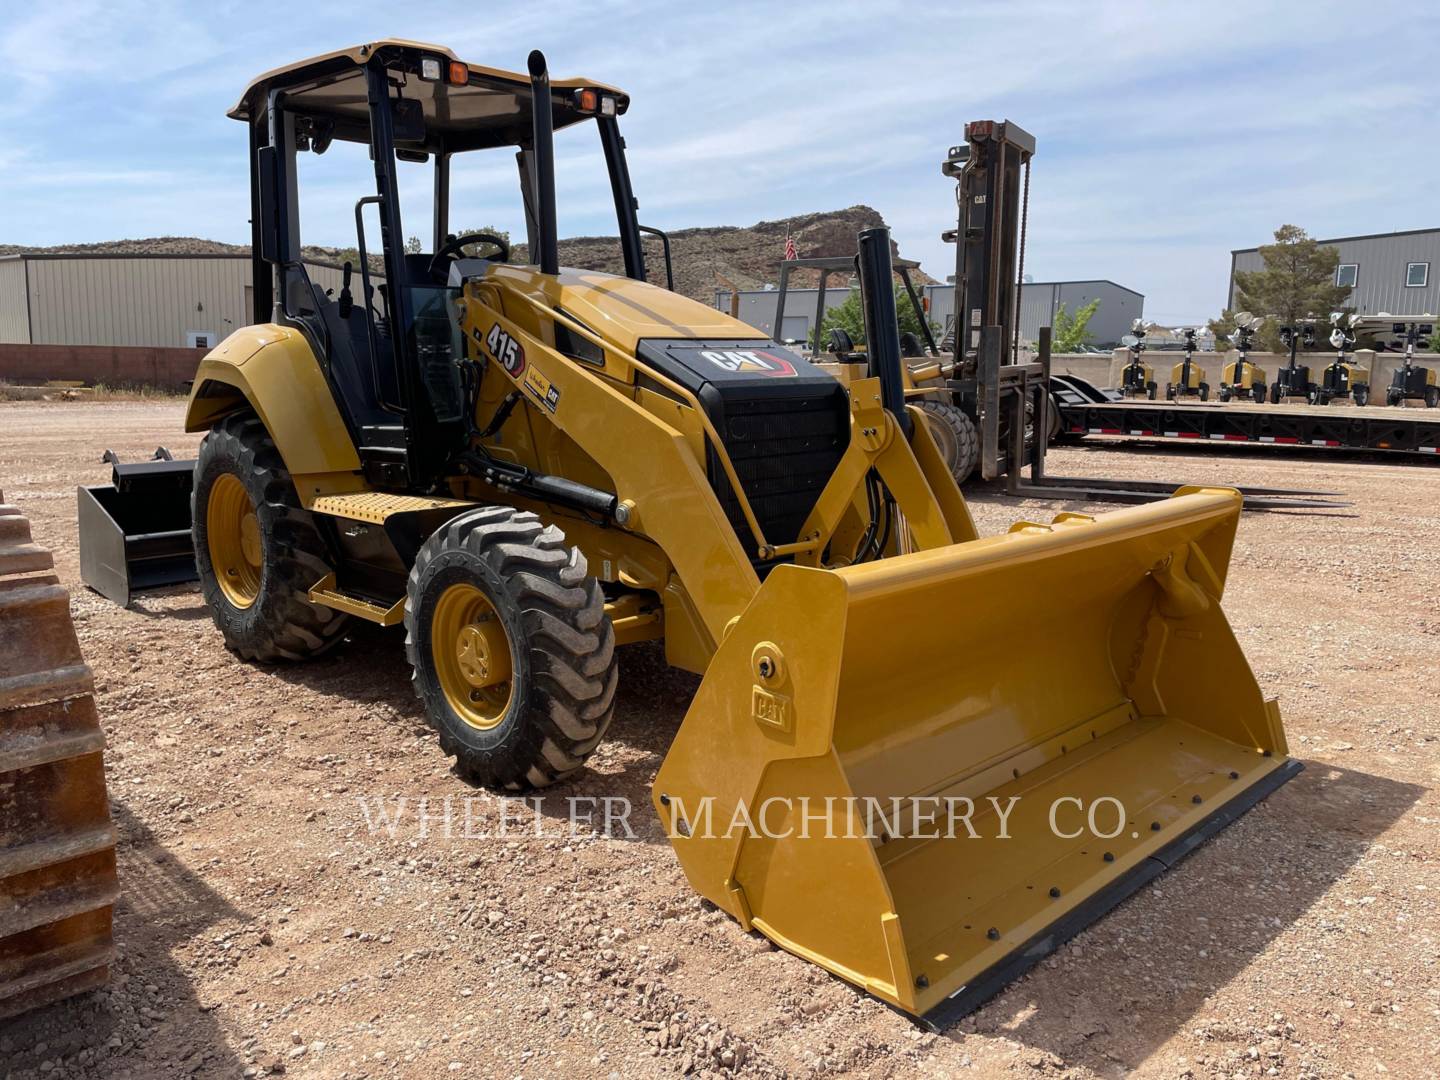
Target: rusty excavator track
[[57, 842]]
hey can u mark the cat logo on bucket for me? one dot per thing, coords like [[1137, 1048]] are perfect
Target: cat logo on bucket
[[750, 362]]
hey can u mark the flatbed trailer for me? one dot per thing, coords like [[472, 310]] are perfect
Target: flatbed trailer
[[1370, 427]]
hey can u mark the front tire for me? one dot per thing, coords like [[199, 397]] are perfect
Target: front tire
[[954, 433], [513, 654], [257, 551]]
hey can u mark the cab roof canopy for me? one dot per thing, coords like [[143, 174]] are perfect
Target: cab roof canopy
[[491, 108]]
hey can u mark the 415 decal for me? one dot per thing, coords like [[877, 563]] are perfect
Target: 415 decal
[[504, 350]]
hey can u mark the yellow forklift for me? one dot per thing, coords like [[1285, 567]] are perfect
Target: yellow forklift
[[1241, 378]]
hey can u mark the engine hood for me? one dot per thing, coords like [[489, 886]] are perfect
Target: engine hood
[[621, 310]]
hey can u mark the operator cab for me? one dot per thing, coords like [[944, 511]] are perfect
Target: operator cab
[[389, 340]]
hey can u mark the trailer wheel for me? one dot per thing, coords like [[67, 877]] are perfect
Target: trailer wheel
[[257, 551], [956, 436], [1360, 392], [513, 654]]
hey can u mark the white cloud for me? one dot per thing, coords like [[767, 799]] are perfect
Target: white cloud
[[1168, 133]]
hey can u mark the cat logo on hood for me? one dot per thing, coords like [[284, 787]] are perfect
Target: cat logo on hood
[[750, 362]]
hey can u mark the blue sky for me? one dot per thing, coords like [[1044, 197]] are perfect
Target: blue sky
[[1168, 133]]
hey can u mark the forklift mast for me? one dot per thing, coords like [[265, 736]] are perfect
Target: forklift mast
[[992, 170]]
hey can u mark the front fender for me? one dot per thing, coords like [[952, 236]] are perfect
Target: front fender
[[273, 370]]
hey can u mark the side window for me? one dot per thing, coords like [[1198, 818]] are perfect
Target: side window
[[1347, 274], [1417, 275]]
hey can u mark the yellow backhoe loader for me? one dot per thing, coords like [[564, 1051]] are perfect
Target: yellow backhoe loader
[[528, 466]]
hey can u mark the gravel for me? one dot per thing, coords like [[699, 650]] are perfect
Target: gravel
[[265, 929]]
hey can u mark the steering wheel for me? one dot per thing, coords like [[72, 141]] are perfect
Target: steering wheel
[[451, 248]]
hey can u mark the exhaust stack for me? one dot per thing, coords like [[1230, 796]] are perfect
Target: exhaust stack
[[544, 156]]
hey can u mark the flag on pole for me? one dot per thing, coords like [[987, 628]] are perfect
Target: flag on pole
[[789, 247]]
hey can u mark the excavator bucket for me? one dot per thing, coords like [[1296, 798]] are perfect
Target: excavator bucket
[[926, 772], [57, 843]]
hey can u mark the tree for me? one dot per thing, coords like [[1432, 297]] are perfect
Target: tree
[[1298, 282], [1071, 331], [1224, 330], [850, 317]]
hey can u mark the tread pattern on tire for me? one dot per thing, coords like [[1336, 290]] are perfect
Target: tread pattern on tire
[[967, 438], [569, 648], [282, 624]]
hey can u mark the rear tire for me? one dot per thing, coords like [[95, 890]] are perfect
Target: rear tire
[[1224, 394], [498, 585], [257, 584], [1360, 393], [1275, 393], [1204, 391], [1432, 396], [956, 436], [1150, 389], [1258, 393]]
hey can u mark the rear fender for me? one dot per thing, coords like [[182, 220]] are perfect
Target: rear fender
[[273, 371]]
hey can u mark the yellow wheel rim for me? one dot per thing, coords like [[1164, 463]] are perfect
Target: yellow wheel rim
[[232, 534], [472, 655]]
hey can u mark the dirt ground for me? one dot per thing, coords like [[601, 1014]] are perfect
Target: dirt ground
[[264, 928]]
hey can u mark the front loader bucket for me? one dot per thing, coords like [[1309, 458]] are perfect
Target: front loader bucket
[[135, 532], [818, 787], [57, 843]]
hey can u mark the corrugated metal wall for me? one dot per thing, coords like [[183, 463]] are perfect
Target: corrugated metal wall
[[153, 301], [1380, 280], [1039, 301], [14, 311]]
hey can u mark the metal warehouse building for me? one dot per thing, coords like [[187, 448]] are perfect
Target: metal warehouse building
[[1039, 302], [1390, 272], [150, 300]]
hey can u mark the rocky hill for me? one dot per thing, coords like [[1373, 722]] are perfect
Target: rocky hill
[[705, 259]]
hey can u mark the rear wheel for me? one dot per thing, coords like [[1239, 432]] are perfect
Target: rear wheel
[[1275, 394], [1258, 393], [954, 433], [513, 654], [1361, 393], [1224, 393], [1432, 396], [257, 551], [1150, 390], [1204, 391]]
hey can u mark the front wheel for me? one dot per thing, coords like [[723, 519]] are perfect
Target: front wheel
[[955, 435], [256, 550], [513, 654]]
